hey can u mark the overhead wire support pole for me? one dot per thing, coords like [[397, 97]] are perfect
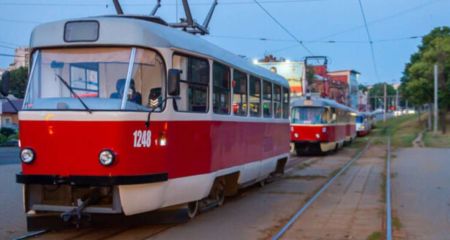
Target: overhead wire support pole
[[155, 9], [118, 7], [284, 28], [436, 107]]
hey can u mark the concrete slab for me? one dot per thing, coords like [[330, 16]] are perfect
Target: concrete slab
[[421, 192], [350, 208]]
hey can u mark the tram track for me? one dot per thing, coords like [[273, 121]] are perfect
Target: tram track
[[279, 234]]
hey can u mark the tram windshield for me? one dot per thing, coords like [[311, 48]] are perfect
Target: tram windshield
[[308, 115], [359, 119], [106, 78]]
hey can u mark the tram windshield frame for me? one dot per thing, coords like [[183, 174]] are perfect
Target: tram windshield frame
[[308, 115], [104, 78]]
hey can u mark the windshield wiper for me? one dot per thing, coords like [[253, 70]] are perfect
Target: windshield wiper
[[76, 95]]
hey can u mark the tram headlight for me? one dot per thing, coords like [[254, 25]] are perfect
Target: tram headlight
[[106, 157], [27, 155], [296, 135], [317, 135]]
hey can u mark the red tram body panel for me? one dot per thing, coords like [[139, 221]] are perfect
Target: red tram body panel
[[320, 125], [152, 118]]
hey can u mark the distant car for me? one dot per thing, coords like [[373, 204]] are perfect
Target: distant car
[[10, 143]]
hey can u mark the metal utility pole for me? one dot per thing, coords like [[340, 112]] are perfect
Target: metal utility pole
[[385, 101], [435, 127]]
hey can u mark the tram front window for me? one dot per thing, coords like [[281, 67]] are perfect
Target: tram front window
[[308, 115], [98, 76]]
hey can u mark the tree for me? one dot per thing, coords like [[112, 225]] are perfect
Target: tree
[[376, 94], [417, 82], [363, 88], [19, 80]]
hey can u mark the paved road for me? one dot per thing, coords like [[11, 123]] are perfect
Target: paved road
[[9, 155], [421, 193]]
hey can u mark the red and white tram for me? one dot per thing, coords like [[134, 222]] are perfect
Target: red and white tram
[[217, 122], [320, 125]]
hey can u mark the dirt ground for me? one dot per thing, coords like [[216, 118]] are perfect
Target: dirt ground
[[351, 208]]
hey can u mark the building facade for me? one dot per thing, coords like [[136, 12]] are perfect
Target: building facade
[[294, 72], [350, 78], [21, 58], [8, 115]]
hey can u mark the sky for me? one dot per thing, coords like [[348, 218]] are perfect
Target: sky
[[332, 28]]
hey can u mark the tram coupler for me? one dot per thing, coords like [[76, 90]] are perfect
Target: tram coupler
[[77, 212]]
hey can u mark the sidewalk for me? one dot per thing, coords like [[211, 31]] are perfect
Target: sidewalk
[[421, 192]]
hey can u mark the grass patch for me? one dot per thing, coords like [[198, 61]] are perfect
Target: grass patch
[[438, 140], [403, 130], [375, 236], [303, 165], [396, 223]]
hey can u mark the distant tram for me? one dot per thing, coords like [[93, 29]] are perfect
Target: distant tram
[[125, 115], [364, 123], [320, 125]]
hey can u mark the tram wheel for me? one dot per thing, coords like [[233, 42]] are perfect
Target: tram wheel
[[192, 209]]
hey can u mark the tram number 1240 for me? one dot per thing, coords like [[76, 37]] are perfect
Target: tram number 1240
[[142, 138]]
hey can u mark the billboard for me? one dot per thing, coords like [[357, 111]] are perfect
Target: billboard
[[294, 72]]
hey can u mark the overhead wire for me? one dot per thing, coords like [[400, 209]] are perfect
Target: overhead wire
[[284, 28], [369, 36]]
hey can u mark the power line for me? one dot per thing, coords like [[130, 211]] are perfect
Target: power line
[[284, 28], [9, 55], [4, 46], [206, 3], [395, 15], [370, 41], [18, 21], [313, 41]]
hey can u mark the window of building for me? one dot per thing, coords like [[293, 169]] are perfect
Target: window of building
[[267, 99], [221, 88], [285, 103], [277, 101], [239, 93], [255, 97], [194, 84]]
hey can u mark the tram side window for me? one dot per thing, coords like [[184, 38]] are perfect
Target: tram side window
[[255, 97], [239, 93], [267, 99], [285, 103], [194, 84], [221, 89], [277, 101]]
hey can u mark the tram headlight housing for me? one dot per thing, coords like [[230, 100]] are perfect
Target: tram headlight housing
[[27, 155], [106, 157]]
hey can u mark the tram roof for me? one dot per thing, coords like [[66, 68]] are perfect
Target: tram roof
[[318, 102], [144, 31]]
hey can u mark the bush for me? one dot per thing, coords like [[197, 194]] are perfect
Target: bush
[[3, 138], [14, 136], [7, 131]]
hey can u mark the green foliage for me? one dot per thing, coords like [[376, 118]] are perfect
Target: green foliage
[[377, 92], [417, 81], [7, 131], [3, 138], [18, 82], [14, 136], [363, 88]]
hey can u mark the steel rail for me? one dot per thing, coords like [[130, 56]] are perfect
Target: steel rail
[[318, 193], [388, 192], [31, 234]]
